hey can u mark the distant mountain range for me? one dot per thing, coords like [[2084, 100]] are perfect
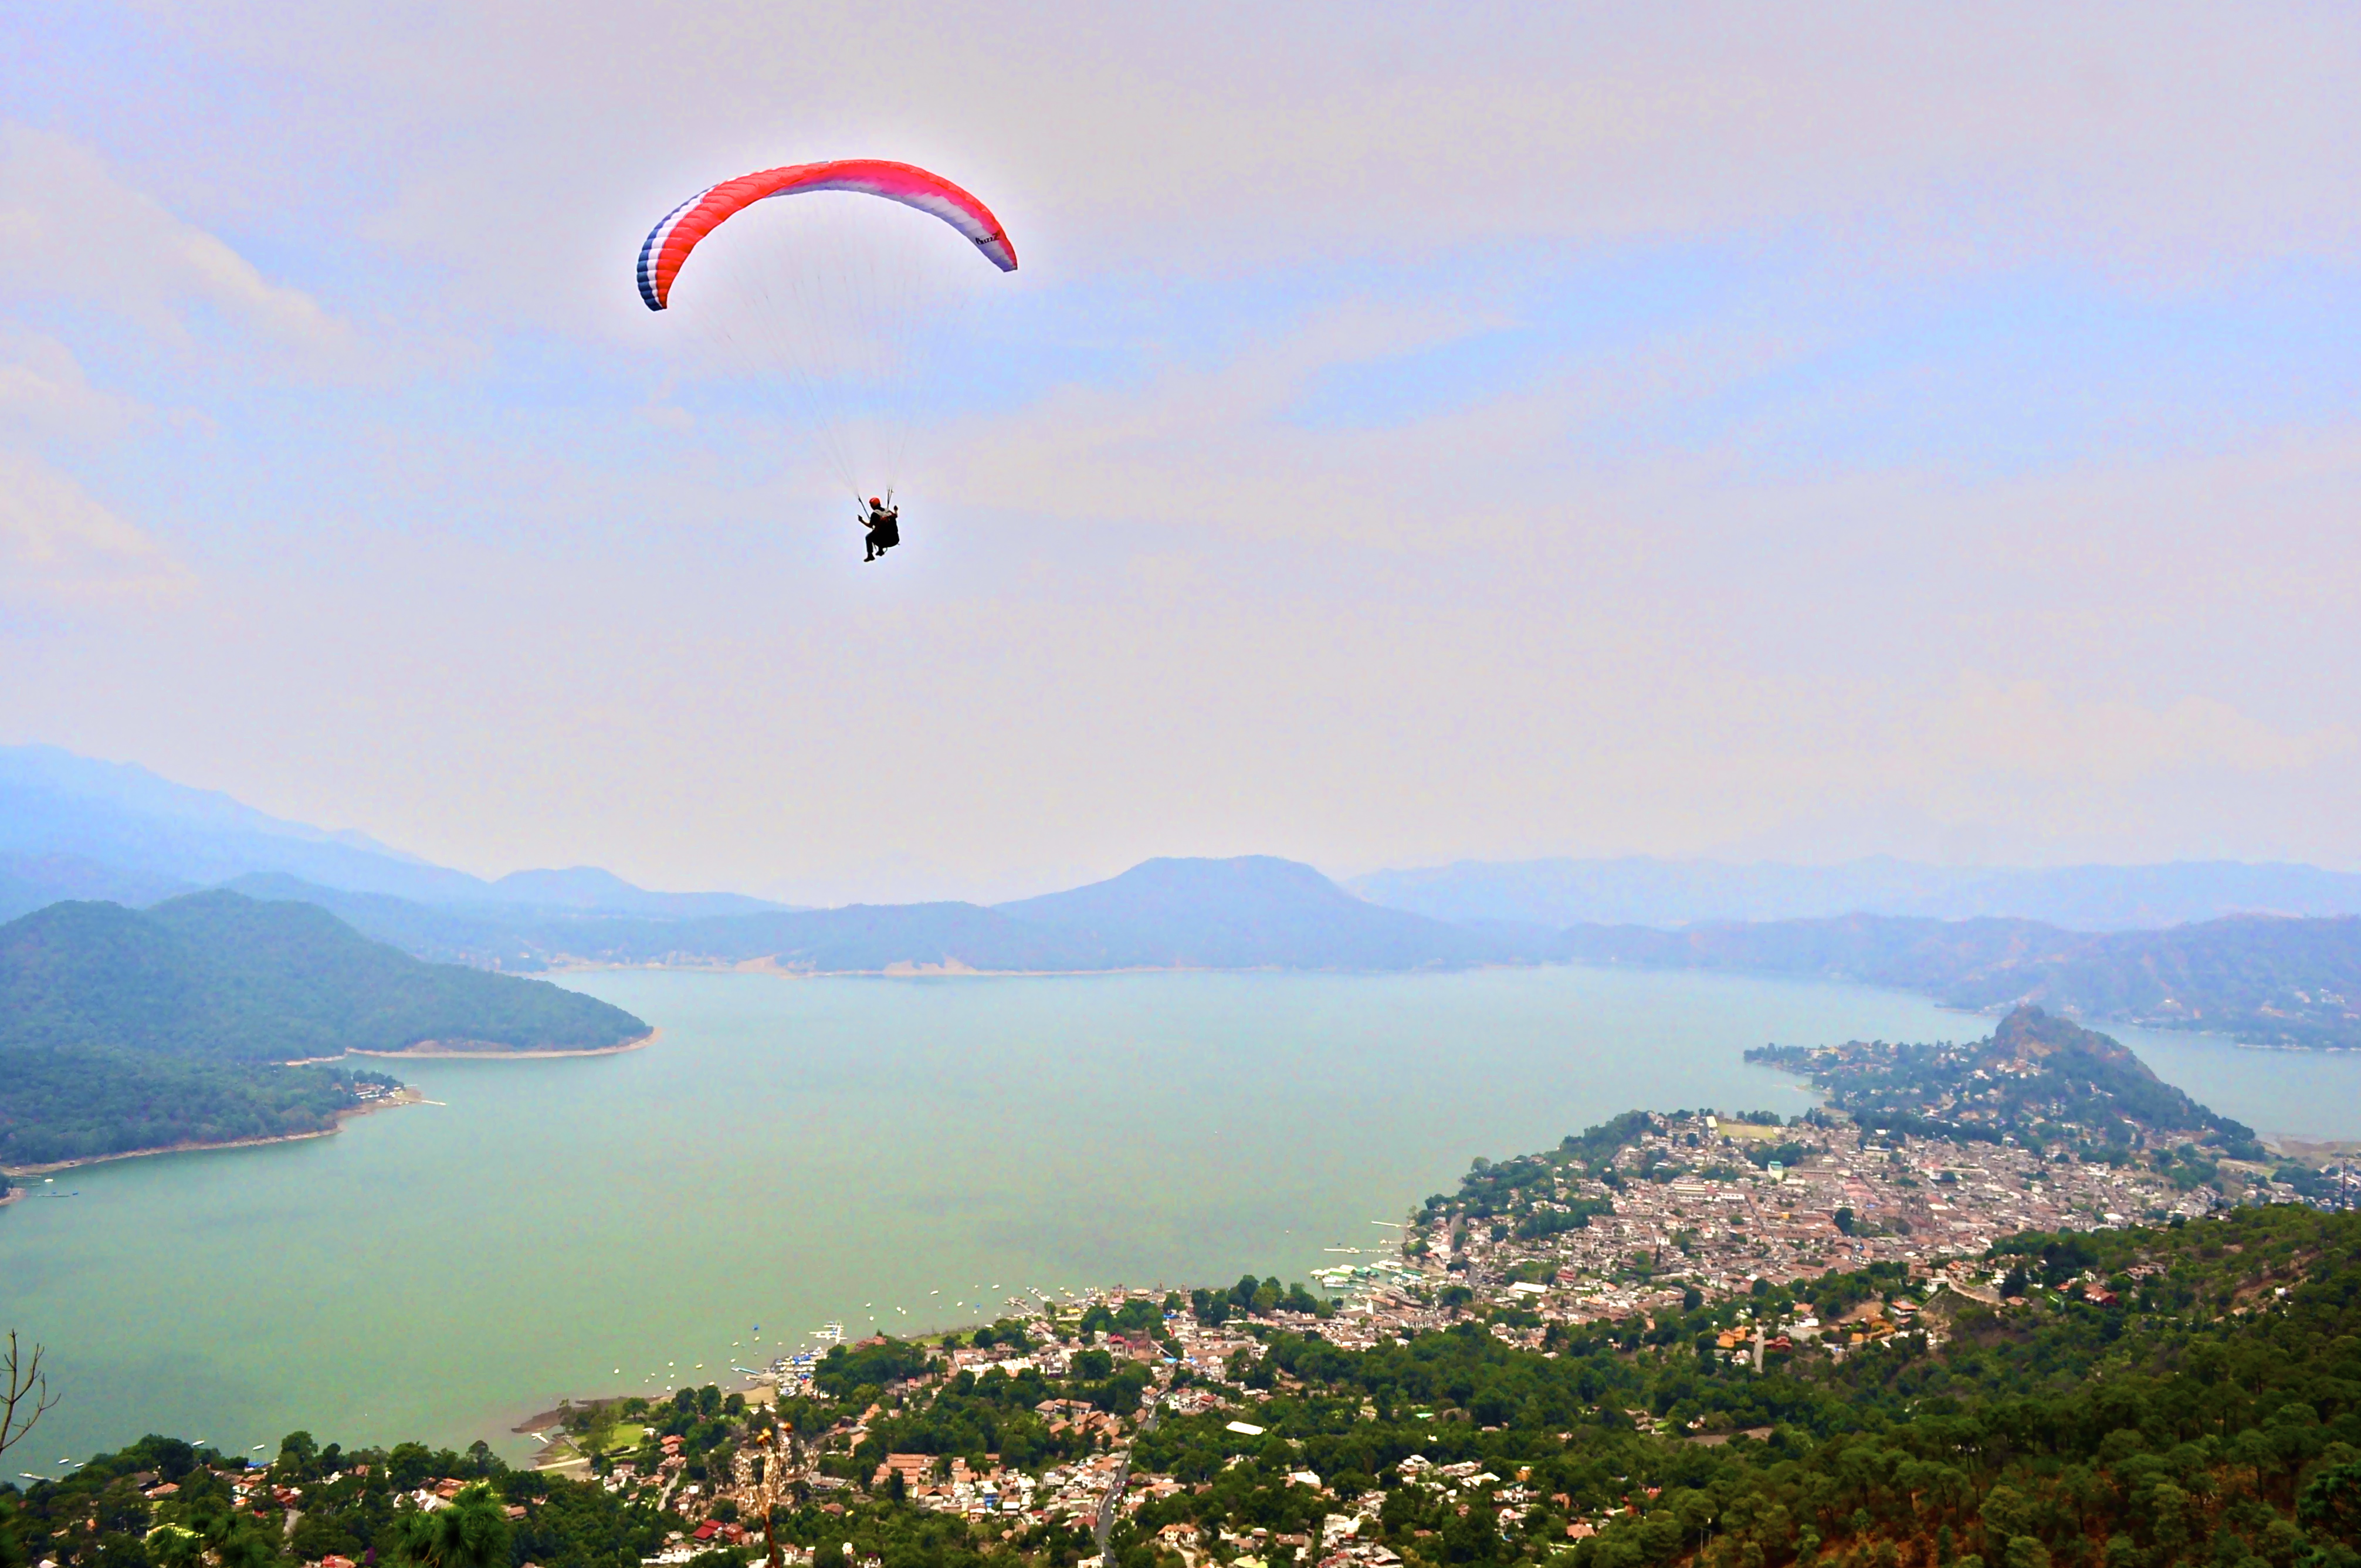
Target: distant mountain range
[[2174, 949], [73, 828], [2264, 979], [1639, 891], [1250, 913], [2267, 980]]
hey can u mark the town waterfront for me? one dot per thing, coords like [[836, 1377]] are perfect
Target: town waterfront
[[883, 1153]]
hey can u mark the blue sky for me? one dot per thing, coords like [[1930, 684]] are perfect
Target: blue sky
[[1415, 434]]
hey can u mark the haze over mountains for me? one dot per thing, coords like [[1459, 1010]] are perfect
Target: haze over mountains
[[2164, 945], [1641, 891], [1254, 911], [2266, 979], [74, 828]]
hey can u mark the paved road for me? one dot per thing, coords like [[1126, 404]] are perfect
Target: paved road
[[1113, 1498]]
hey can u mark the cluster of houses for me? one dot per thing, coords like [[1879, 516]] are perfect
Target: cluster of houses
[[952, 1486], [1697, 1209], [1693, 1209]]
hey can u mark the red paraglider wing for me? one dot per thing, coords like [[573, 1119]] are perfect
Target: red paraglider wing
[[669, 242]]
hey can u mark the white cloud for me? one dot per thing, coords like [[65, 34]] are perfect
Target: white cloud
[[60, 545], [1141, 452], [70, 227], [1214, 446], [43, 390]]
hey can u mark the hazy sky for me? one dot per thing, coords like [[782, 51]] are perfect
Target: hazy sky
[[1416, 433]]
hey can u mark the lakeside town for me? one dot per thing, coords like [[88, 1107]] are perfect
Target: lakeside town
[[1530, 1368], [1651, 1220]]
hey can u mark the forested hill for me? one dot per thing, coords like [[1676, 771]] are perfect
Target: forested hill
[[226, 977], [123, 1030], [2045, 1081], [2267, 980]]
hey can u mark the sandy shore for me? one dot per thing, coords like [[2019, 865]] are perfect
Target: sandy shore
[[406, 1096], [478, 1050]]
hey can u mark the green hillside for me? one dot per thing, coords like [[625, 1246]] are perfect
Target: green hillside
[[123, 1030], [2269, 981], [224, 977]]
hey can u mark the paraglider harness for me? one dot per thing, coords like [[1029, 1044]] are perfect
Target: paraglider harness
[[883, 521]]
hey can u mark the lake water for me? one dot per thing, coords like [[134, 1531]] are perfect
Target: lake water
[[792, 1152]]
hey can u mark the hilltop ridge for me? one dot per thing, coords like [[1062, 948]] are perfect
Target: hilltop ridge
[[2028, 1036], [219, 975], [1249, 912]]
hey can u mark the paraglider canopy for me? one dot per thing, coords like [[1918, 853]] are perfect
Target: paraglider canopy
[[836, 308], [671, 241]]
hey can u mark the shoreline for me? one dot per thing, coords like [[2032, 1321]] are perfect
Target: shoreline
[[904, 969], [956, 970], [405, 1096], [430, 1051], [499, 1428]]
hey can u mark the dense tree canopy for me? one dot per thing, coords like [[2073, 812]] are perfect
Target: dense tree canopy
[[219, 977]]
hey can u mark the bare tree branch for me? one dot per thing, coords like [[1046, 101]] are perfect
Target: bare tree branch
[[24, 1395]]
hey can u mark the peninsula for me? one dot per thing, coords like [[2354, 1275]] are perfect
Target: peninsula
[[216, 1019]]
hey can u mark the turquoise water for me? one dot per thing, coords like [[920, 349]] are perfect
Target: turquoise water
[[792, 1152]]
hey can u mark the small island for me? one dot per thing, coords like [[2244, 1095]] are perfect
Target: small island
[[216, 1020]]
